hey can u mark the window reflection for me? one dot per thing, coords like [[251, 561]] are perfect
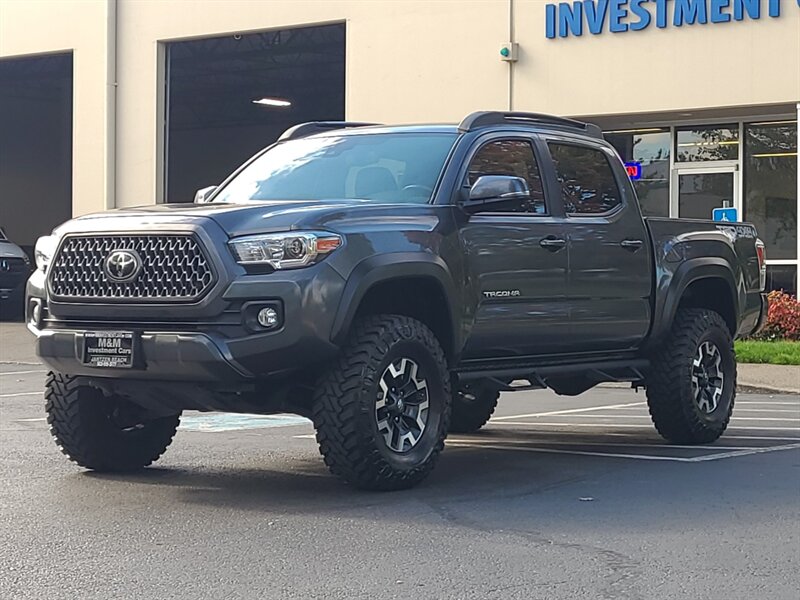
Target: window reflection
[[770, 185], [587, 182], [649, 147], [707, 143]]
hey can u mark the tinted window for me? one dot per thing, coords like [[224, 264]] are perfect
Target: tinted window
[[401, 167], [514, 158], [650, 149], [587, 182]]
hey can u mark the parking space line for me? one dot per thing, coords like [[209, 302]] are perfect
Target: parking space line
[[633, 426], [738, 402], [664, 446], [695, 459], [39, 393], [567, 411], [21, 372], [646, 416]]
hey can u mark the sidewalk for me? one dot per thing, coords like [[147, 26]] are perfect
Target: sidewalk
[[16, 346], [772, 378]]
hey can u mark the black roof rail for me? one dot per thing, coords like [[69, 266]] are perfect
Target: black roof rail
[[310, 128], [485, 118]]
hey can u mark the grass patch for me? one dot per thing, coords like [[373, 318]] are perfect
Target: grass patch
[[773, 353]]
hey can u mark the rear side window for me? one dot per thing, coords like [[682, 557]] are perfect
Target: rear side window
[[587, 182], [514, 158]]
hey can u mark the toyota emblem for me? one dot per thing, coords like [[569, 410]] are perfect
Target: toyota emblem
[[122, 266]]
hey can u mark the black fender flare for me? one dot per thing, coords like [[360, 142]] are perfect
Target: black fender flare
[[690, 271], [381, 268]]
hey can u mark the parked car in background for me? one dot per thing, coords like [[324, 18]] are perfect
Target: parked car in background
[[15, 266]]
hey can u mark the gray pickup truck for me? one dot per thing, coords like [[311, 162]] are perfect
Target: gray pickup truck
[[389, 283]]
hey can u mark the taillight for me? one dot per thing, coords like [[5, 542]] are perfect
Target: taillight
[[761, 253]]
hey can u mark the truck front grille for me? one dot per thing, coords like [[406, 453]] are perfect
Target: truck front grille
[[167, 268]]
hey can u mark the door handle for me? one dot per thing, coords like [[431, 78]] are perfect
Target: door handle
[[631, 245], [552, 243]]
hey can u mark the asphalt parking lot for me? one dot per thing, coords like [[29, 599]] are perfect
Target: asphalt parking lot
[[557, 498]]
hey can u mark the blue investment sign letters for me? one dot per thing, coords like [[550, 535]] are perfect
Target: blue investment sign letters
[[616, 16]]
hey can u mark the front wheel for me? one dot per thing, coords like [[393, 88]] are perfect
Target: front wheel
[[103, 433], [691, 385], [382, 411]]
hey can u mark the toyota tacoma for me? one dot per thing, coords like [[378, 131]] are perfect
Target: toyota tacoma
[[388, 282]]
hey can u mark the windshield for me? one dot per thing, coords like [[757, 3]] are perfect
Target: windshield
[[385, 167]]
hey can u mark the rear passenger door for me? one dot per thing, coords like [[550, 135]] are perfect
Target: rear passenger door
[[609, 272], [516, 258]]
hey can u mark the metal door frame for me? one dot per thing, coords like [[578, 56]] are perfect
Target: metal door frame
[[704, 168]]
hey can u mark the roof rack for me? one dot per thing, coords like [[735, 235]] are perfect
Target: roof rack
[[485, 118], [310, 128]]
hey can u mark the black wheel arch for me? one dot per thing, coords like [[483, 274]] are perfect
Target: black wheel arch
[[401, 283], [714, 276]]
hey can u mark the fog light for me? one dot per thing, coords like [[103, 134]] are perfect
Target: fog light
[[35, 312], [267, 317]]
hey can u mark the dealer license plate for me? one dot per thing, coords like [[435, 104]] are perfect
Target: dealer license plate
[[112, 349]]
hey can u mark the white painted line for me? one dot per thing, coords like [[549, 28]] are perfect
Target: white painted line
[[760, 437], [664, 446], [573, 452], [738, 402], [722, 455], [22, 394], [617, 425], [736, 409], [305, 436], [646, 416], [20, 372], [706, 458], [31, 420], [219, 422], [568, 411]]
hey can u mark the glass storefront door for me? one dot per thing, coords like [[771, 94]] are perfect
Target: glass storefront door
[[697, 191]]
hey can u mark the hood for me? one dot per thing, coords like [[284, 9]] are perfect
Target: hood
[[235, 219], [11, 250]]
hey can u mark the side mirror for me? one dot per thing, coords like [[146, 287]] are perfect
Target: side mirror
[[490, 190], [203, 195]]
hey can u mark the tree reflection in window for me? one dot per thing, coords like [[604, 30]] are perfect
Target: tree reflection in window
[[513, 158], [587, 182]]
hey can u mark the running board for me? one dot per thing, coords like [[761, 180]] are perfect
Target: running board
[[597, 371]]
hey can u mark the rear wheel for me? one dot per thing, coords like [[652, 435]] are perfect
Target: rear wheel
[[473, 405], [691, 386], [103, 433], [382, 411]]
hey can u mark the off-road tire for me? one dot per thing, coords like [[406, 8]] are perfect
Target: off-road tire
[[473, 406], [82, 422], [344, 411], [670, 397]]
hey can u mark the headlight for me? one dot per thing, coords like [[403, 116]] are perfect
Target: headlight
[[289, 250], [43, 253]]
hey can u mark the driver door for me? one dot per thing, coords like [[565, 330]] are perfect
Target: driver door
[[516, 258]]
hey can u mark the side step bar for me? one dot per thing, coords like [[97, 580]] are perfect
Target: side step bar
[[595, 372]]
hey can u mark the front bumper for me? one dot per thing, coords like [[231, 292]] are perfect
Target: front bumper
[[219, 345]]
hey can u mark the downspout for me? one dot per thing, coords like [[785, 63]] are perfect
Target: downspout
[[511, 33], [110, 167]]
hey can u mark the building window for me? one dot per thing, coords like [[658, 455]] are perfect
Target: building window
[[587, 182], [770, 185], [698, 144], [782, 277], [650, 148]]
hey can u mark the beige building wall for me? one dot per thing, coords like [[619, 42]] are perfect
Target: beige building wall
[[743, 63], [407, 60]]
